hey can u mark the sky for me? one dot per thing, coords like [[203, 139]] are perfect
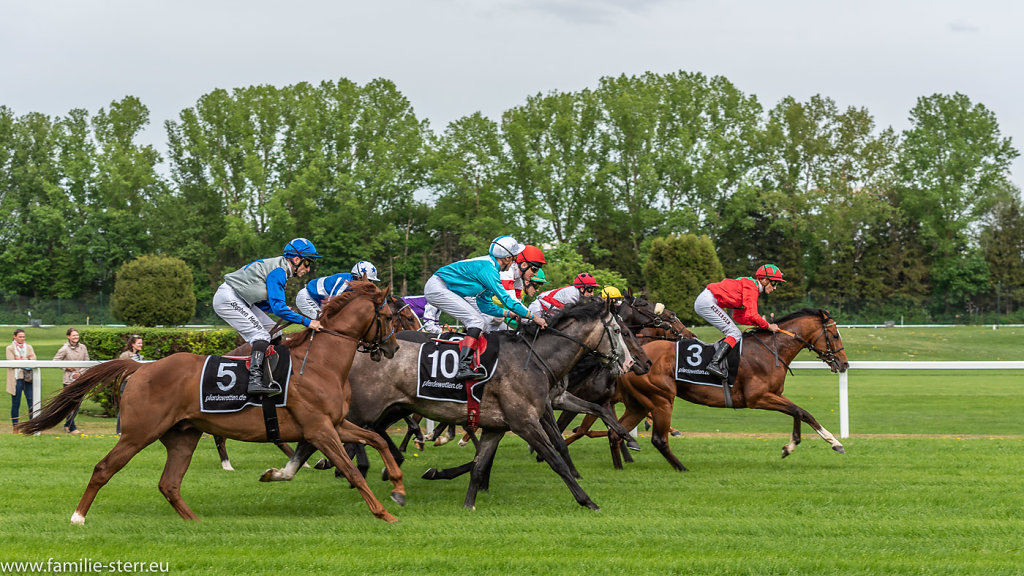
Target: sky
[[452, 58]]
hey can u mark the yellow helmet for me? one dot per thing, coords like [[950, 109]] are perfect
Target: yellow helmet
[[610, 292]]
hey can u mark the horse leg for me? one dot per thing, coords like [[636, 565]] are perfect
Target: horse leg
[[531, 431], [180, 444], [566, 418], [780, 403], [481, 469], [356, 436], [357, 452], [326, 440], [222, 450], [547, 422], [573, 402], [583, 430], [127, 447], [303, 450], [448, 473], [662, 416]]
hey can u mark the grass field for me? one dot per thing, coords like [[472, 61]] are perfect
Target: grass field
[[930, 484]]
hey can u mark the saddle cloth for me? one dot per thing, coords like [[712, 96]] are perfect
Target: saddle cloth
[[693, 357], [226, 378], [439, 362]]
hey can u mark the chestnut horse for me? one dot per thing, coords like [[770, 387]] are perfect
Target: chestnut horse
[[760, 379], [161, 402]]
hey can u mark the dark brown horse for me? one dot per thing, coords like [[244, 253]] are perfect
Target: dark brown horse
[[760, 379], [517, 397], [161, 402], [593, 383]]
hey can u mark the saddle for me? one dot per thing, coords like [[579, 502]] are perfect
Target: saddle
[[693, 357], [439, 362]]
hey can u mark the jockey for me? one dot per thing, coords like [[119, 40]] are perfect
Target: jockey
[[310, 300], [250, 293], [582, 285], [514, 280], [612, 293], [739, 294], [533, 285], [479, 277]]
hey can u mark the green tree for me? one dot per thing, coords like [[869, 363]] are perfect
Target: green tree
[[1002, 242], [153, 290], [678, 269]]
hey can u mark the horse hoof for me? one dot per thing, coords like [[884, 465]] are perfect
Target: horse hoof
[[268, 476], [77, 519], [384, 476], [590, 504], [632, 445], [388, 518], [419, 444], [227, 466], [399, 498], [322, 464], [441, 441], [430, 474], [839, 449]]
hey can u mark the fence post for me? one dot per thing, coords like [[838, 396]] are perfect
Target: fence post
[[844, 404]]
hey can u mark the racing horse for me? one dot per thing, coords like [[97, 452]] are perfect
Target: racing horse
[[403, 319], [530, 365], [594, 383], [760, 379], [161, 402]]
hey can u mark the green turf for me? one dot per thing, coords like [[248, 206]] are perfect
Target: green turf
[[888, 506]]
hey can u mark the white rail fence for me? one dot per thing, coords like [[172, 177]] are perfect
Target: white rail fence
[[844, 379]]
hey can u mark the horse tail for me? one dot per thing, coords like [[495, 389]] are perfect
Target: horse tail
[[60, 406]]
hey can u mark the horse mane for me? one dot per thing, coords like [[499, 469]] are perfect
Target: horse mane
[[333, 306], [817, 312]]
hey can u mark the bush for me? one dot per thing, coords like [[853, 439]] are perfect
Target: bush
[[678, 269], [152, 291], [108, 343]]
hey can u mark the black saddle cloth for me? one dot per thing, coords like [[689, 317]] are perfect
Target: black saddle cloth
[[225, 380], [693, 357], [439, 362]]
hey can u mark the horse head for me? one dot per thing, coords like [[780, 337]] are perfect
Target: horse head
[[652, 321], [405, 318], [367, 318], [819, 333], [593, 325], [641, 362]]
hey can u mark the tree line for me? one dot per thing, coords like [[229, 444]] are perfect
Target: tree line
[[922, 223]]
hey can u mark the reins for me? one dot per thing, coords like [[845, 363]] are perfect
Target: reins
[[361, 345], [610, 358], [828, 355]]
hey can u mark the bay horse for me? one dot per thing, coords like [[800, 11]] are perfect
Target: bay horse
[[161, 402], [760, 380], [530, 365]]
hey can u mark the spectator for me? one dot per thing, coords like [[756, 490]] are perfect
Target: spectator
[[19, 380], [72, 350], [132, 349]]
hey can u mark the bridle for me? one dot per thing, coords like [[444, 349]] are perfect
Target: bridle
[[398, 311], [364, 345], [652, 321], [615, 356], [829, 354]]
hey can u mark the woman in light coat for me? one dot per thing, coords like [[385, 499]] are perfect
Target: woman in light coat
[[72, 350], [16, 384]]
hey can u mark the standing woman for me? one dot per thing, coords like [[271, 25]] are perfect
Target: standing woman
[[72, 350], [19, 380], [133, 349]]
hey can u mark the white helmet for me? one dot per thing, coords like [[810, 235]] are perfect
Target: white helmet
[[364, 267], [505, 246]]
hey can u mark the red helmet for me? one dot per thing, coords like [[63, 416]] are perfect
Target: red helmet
[[584, 280], [531, 253], [769, 272]]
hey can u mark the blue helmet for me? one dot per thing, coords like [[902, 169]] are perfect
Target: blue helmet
[[505, 246], [302, 248], [364, 267]]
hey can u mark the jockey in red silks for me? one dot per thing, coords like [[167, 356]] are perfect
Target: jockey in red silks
[[582, 285], [739, 294], [480, 278]]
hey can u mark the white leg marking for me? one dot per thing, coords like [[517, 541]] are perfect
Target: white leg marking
[[77, 518]]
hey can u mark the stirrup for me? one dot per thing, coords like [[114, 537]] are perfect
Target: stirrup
[[471, 373], [258, 388], [718, 371]]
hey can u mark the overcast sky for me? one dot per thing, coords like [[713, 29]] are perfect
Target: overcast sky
[[451, 58]]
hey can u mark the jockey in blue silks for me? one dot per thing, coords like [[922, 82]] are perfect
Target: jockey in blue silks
[[310, 300], [250, 293], [479, 278]]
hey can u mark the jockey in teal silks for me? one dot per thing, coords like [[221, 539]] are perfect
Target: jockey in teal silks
[[479, 278]]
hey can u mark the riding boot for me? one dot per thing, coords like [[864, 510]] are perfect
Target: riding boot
[[719, 365], [466, 357], [256, 385]]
